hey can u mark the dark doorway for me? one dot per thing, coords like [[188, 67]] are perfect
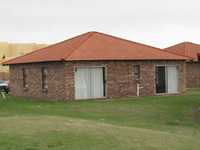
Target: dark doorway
[[160, 80], [198, 58]]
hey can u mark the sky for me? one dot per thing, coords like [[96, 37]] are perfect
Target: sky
[[159, 23]]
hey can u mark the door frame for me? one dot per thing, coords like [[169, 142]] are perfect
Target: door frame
[[155, 78], [105, 85]]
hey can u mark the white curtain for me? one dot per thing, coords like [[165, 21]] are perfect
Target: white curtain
[[89, 82], [82, 83], [166, 79], [96, 82], [172, 79]]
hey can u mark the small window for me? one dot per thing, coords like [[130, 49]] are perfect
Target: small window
[[44, 78], [136, 71], [21, 54], [25, 78]]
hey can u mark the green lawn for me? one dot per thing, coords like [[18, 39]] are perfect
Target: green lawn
[[170, 122], [193, 90]]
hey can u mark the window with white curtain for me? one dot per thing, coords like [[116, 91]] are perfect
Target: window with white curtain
[[172, 79], [89, 82]]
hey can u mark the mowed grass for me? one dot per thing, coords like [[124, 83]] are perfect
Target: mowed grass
[[170, 122], [191, 90]]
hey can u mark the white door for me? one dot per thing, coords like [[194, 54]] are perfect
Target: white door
[[172, 79], [89, 82]]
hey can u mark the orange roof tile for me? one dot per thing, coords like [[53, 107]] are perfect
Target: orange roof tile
[[187, 49], [96, 46]]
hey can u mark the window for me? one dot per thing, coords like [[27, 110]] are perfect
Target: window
[[25, 78], [90, 82], [44, 78], [167, 79], [21, 54], [136, 71]]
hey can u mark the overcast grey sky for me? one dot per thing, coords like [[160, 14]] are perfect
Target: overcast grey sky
[[159, 23]]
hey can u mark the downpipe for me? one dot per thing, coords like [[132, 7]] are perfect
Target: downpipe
[[138, 90]]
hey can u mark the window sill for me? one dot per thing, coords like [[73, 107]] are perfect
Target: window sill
[[167, 93], [25, 89], [44, 90], [137, 79]]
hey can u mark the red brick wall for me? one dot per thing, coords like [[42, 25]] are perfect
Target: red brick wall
[[192, 75], [56, 81], [120, 78]]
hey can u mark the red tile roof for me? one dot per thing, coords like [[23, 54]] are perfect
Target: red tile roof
[[187, 49], [96, 46]]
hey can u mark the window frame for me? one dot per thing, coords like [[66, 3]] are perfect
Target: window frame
[[178, 68], [136, 74], [44, 78]]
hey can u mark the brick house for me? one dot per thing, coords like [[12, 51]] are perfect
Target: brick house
[[95, 65], [193, 66]]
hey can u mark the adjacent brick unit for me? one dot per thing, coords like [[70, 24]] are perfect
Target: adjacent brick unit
[[119, 74], [192, 74]]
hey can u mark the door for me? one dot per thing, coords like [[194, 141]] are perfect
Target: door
[[89, 82], [167, 79], [160, 80]]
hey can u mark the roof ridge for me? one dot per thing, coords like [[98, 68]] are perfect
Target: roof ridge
[[44, 48], [181, 43], [141, 44], [73, 49], [186, 47], [193, 43], [165, 49], [178, 54]]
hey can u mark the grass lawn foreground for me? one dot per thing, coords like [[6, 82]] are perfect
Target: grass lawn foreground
[[149, 123]]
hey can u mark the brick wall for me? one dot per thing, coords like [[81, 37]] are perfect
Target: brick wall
[[56, 81], [119, 74], [192, 75]]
